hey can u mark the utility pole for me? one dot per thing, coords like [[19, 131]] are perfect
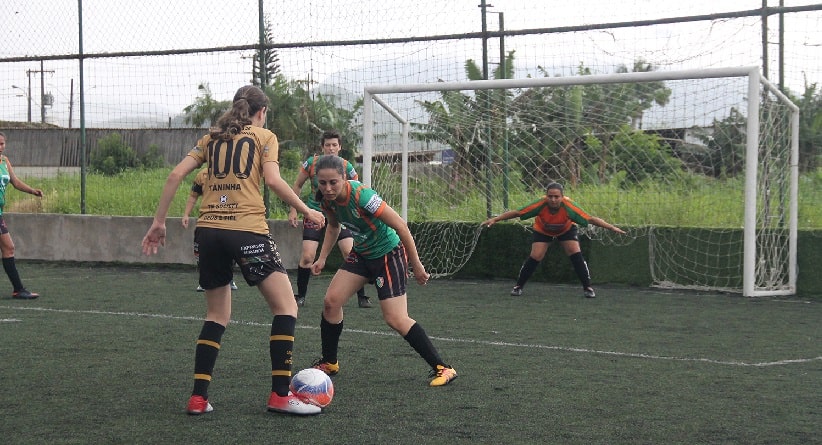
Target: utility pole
[[42, 91], [28, 74], [71, 102]]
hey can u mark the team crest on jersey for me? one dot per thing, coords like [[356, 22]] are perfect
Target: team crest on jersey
[[223, 199], [379, 281]]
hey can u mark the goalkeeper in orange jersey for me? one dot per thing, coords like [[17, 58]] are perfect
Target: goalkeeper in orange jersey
[[556, 218]]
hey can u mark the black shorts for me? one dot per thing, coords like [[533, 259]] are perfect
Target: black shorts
[[571, 235], [389, 273], [4, 229], [313, 232], [219, 249]]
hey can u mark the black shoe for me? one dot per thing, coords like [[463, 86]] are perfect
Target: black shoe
[[24, 294], [300, 300], [589, 292], [364, 301], [516, 291]]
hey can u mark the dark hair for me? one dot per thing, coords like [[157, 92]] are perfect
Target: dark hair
[[555, 185], [247, 102], [328, 161], [331, 134]]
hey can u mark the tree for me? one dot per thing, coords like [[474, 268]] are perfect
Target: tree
[[810, 127], [563, 119], [113, 156], [724, 149], [205, 110], [641, 156], [464, 122], [271, 59], [299, 117]]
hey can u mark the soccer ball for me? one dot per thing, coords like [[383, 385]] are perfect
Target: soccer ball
[[313, 386]]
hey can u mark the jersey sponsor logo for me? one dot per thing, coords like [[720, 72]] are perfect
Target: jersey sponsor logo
[[373, 204], [553, 228], [226, 206], [219, 217], [253, 249]]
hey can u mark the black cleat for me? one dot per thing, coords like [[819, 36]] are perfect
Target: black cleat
[[24, 294]]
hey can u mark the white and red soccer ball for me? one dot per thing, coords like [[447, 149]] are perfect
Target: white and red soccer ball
[[313, 386]]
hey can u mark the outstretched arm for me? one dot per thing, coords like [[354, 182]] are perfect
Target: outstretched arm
[[599, 222], [507, 215]]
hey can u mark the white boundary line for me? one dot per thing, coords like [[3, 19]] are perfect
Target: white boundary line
[[447, 339]]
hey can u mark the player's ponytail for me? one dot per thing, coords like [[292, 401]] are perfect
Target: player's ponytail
[[247, 102]]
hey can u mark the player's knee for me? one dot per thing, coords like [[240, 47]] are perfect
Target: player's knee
[[333, 301], [397, 322]]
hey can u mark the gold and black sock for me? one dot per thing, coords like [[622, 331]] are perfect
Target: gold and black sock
[[205, 356], [281, 345]]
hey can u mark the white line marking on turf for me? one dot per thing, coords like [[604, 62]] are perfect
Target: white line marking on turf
[[453, 340], [8, 320]]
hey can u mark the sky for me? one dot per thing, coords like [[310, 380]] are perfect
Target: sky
[[158, 88]]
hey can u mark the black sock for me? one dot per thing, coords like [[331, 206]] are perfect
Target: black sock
[[303, 275], [581, 268], [330, 335], [361, 292], [280, 345], [525, 272], [11, 271], [205, 356], [421, 343]]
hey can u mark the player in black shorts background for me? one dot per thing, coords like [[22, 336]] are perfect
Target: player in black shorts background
[[312, 234]]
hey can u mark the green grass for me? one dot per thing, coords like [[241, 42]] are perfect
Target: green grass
[[691, 202], [106, 356]]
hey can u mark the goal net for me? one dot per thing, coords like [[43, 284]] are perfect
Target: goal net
[[700, 164]]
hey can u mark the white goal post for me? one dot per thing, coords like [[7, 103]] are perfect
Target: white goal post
[[762, 263]]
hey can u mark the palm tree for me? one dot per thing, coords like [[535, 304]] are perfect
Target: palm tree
[[464, 122], [205, 110]]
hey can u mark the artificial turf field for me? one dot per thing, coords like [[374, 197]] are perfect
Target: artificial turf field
[[106, 356]]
